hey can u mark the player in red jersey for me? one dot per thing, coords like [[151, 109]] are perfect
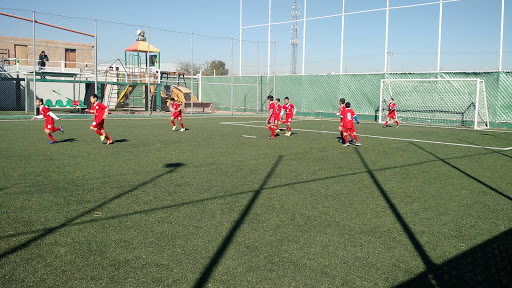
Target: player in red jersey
[[277, 114], [49, 118], [270, 118], [391, 113], [348, 116], [340, 128], [100, 112], [290, 110], [176, 114]]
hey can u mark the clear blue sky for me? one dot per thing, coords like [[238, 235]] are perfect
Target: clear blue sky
[[471, 31]]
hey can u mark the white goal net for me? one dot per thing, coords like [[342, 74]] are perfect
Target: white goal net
[[453, 102]]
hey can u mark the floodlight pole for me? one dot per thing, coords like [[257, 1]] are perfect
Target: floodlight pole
[[232, 63], [192, 78], [95, 57], [387, 33], [268, 40], [342, 35], [257, 76], [34, 56], [500, 66], [439, 40], [240, 40], [304, 39]]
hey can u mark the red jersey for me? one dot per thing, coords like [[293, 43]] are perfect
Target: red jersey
[[99, 111], [392, 109], [175, 108], [348, 116], [289, 109], [342, 107], [45, 112], [272, 108], [279, 108]]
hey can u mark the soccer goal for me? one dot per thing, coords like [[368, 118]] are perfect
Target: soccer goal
[[452, 102]]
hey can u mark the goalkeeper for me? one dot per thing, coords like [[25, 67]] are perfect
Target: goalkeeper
[[391, 113]]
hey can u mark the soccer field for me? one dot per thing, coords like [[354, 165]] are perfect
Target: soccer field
[[222, 205]]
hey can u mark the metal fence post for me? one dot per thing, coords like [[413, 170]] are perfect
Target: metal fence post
[[192, 79], [95, 57], [386, 45], [232, 76], [148, 71], [500, 66], [34, 57], [258, 77]]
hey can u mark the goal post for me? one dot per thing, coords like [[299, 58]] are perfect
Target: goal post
[[452, 102]]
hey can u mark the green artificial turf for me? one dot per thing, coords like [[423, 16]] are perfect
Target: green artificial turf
[[221, 205]]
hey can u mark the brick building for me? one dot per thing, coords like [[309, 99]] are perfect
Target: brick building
[[74, 54]]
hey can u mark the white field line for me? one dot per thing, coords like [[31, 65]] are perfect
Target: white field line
[[428, 126], [91, 117], [248, 136], [379, 137]]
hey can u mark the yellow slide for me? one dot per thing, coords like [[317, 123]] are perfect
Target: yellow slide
[[182, 94], [126, 93]]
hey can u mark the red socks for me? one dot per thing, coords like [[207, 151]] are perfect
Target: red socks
[[99, 132], [346, 138], [51, 137], [173, 124], [272, 130], [181, 123], [55, 129], [397, 123], [386, 124], [355, 137]]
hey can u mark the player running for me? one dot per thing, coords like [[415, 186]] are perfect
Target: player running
[[290, 110], [348, 116], [176, 114], [270, 118], [391, 113], [277, 114], [100, 112], [49, 118]]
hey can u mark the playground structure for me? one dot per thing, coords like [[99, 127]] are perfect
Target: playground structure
[[135, 84], [127, 84]]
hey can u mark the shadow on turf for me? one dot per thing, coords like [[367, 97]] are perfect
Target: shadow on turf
[[121, 141], [487, 265], [171, 167], [464, 172], [208, 270], [429, 264], [11, 235], [67, 140], [493, 151]]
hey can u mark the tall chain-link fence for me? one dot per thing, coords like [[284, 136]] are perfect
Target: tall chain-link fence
[[134, 67], [318, 95]]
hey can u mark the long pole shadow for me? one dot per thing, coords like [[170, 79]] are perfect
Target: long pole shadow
[[427, 261], [494, 151], [170, 168], [464, 172], [208, 270], [192, 202]]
